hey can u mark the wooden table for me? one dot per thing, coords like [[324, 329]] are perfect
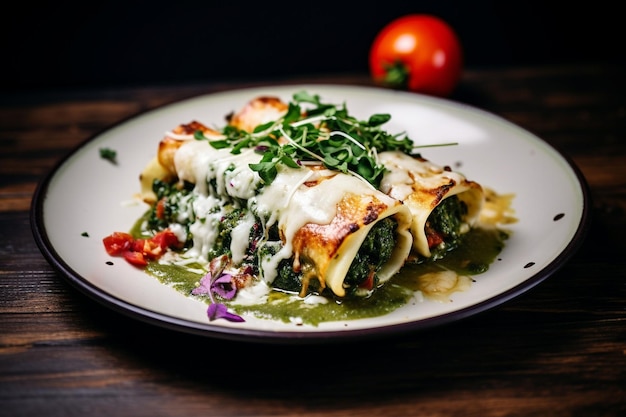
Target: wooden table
[[557, 350]]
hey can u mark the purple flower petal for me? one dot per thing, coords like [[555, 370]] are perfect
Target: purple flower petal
[[204, 287], [224, 287], [220, 311], [216, 282]]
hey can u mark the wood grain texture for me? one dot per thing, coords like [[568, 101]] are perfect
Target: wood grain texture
[[557, 350]]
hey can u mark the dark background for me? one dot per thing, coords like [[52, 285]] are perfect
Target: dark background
[[68, 45]]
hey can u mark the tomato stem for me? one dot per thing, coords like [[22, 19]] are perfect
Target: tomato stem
[[396, 75]]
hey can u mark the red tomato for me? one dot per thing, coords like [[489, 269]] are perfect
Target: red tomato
[[166, 239], [147, 247], [160, 209], [419, 53], [135, 258], [139, 251], [369, 282], [117, 243]]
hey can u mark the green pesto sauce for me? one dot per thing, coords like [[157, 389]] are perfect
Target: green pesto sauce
[[183, 279], [285, 307], [479, 249]]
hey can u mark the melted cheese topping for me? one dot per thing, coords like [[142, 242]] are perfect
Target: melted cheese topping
[[422, 186], [322, 216], [324, 222]]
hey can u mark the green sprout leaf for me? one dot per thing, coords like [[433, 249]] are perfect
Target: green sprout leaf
[[109, 155], [317, 132]]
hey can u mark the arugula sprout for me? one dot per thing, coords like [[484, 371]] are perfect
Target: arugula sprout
[[312, 130], [108, 154]]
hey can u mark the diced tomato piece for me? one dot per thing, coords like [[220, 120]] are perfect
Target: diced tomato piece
[[138, 251], [368, 284], [135, 258], [137, 245], [117, 243], [147, 247], [160, 209], [433, 237], [166, 239]]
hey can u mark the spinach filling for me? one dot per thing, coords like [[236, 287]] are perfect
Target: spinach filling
[[445, 226], [224, 233], [169, 196], [375, 251]]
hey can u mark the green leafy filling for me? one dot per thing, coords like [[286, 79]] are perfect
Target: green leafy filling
[[448, 220]]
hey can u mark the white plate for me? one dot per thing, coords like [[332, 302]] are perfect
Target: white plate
[[87, 194]]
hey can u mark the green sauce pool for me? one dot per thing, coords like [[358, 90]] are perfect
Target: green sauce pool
[[436, 280]]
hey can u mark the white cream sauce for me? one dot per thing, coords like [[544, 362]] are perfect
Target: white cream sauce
[[288, 199]]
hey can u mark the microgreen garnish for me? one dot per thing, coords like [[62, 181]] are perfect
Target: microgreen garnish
[[216, 282], [108, 154], [312, 130]]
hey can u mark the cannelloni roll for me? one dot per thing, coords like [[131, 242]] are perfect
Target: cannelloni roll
[[443, 203]]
